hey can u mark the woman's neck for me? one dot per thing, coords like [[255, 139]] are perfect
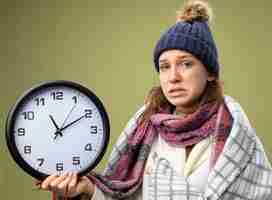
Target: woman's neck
[[185, 111]]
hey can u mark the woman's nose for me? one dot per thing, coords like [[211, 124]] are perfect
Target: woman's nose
[[174, 74]]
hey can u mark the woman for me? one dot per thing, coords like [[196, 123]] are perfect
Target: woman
[[188, 141]]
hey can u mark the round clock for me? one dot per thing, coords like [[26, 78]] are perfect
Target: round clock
[[55, 127]]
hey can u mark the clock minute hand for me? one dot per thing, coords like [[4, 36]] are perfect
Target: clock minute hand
[[71, 123]]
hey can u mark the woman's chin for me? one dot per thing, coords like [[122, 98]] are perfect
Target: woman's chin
[[184, 103], [179, 101]]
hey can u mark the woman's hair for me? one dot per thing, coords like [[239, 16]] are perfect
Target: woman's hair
[[192, 10], [156, 100]]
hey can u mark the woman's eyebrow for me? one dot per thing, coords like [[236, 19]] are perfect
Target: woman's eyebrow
[[163, 61], [179, 57], [185, 56]]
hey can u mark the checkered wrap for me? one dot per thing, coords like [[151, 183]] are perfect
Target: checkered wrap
[[242, 171]]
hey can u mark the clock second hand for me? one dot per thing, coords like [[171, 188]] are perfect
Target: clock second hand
[[58, 131], [68, 115]]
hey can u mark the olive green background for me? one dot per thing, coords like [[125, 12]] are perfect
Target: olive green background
[[107, 46]]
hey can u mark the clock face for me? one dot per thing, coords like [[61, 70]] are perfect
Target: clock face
[[57, 127]]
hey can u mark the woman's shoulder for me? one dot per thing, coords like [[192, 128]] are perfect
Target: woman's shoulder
[[140, 111], [233, 105], [238, 114], [230, 100], [132, 122]]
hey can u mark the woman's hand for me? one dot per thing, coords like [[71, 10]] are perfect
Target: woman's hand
[[68, 185]]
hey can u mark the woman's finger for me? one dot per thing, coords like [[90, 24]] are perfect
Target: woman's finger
[[54, 183], [73, 183], [62, 187], [45, 184]]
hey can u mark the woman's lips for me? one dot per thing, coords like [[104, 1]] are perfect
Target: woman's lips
[[176, 92]]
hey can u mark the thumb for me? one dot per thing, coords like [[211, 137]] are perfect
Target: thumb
[[85, 186]]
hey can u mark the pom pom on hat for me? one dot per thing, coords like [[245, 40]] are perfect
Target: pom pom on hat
[[195, 10]]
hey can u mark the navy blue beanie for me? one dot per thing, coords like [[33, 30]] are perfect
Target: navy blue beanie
[[191, 34]]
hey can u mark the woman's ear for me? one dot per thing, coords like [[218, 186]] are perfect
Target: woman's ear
[[211, 77]]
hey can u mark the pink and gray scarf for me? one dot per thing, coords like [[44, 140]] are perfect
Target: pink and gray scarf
[[126, 175]]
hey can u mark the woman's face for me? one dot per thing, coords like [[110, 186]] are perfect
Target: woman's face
[[183, 79]]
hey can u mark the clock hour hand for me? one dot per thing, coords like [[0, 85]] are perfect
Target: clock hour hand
[[58, 132], [71, 123], [54, 122]]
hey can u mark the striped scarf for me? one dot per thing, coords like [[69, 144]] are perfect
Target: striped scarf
[[126, 175]]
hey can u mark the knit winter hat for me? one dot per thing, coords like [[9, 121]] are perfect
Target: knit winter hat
[[191, 33]]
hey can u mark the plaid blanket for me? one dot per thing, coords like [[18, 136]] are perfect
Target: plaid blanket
[[242, 171]]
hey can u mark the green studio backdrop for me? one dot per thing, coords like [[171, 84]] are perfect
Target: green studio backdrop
[[107, 46]]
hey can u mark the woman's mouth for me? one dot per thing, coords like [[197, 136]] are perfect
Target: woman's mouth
[[176, 92]]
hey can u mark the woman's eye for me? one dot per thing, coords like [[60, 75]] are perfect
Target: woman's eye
[[186, 64], [163, 67]]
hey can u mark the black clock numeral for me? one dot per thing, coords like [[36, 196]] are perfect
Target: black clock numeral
[[28, 115], [88, 113], [75, 99], [21, 132], [93, 129], [41, 161], [59, 167], [40, 101], [88, 147], [57, 95], [27, 149], [76, 160]]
